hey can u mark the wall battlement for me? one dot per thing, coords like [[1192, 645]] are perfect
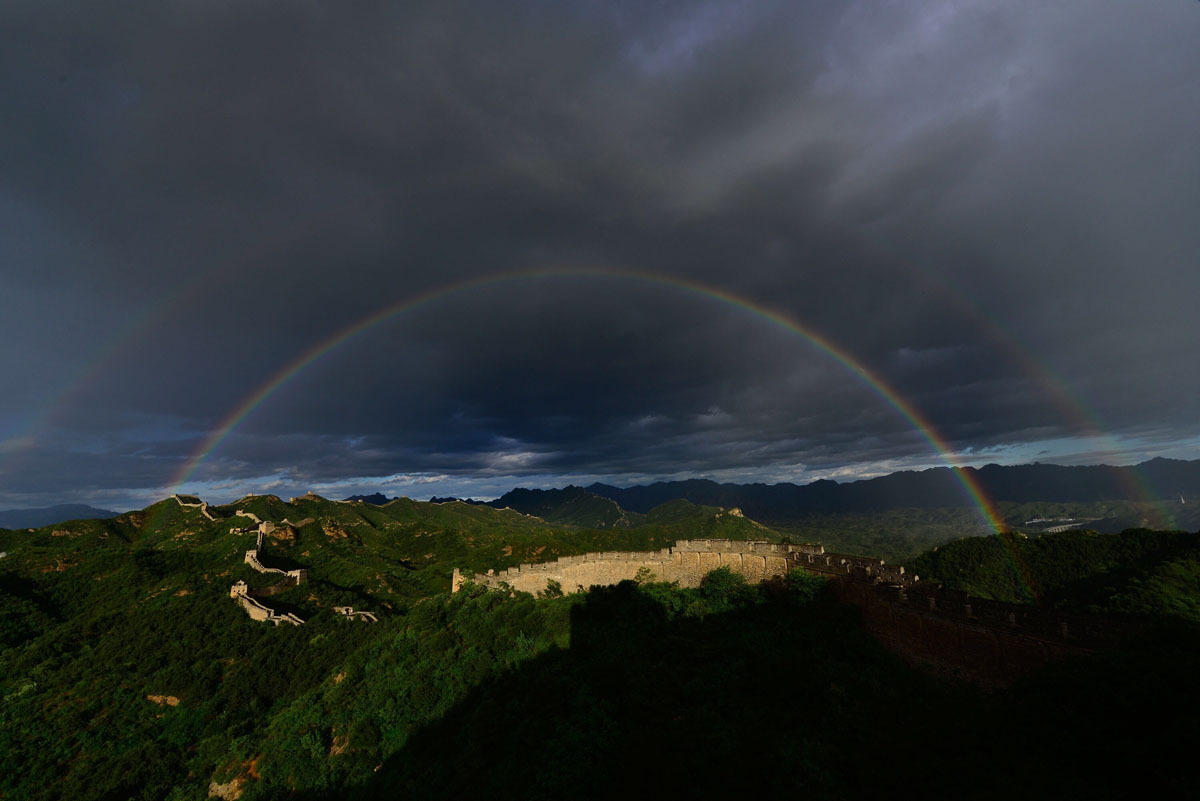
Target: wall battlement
[[251, 559], [240, 591], [686, 562], [259, 611], [955, 634], [197, 504], [350, 613]]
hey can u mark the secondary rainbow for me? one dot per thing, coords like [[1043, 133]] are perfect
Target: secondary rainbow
[[163, 309], [304, 360], [1073, 408]]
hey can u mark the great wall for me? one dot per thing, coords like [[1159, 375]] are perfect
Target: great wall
[[193, 503], [950, 632], [990, 643], [687, 562], [242, 593]]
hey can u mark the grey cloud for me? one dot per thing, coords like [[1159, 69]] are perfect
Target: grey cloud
[[200, 193]]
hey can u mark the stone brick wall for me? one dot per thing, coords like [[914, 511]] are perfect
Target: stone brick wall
[[201, 505], [986, 642], [990, 643], [259, 611], [686, 562], [956, 635]]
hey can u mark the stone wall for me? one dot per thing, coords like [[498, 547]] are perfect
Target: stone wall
[[199, 504], [686, 562], [259, 611], [240, 592], [353, 614], [251, 559], [990, 643]]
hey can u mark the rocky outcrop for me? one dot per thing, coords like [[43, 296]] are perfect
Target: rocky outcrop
[[227, 791]]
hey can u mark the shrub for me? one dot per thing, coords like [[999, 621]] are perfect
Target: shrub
[[802, 586], [724, 586]]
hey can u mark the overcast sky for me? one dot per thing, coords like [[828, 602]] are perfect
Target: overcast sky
[[993, 207]]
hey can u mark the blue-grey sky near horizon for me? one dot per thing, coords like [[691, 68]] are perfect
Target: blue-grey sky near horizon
[[993, 207]]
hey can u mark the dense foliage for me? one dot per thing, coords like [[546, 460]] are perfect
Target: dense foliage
[[127, 672], [1138, 571], [571, 505], [902, 533]]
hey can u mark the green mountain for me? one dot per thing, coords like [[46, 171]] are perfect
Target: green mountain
[[1138, 571], [49, 515], [1170, 480], [571, 505], [128, 671]]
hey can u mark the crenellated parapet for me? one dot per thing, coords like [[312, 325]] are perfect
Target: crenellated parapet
[[299, 576], [258, 611], [686, 562], [192, 502], [251, 558], [350, 613], [745, 546], [839, 564]]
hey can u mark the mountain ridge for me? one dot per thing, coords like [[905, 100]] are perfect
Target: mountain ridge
[[48, 515], [571, 505], [935, 487]]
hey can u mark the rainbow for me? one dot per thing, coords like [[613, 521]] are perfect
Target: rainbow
[[289, 371], [134, 330], [1068, 403], [1072, 408], [79, 380]]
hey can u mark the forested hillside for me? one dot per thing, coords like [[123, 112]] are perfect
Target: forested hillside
[[1141, 572], [126, 670]]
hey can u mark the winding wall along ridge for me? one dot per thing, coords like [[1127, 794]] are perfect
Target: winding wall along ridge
[[201, 505], [240, 591]]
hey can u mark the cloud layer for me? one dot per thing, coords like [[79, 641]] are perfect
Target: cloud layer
[[992, 208]]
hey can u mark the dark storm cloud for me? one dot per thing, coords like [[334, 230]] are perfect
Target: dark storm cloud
[[196, 193]]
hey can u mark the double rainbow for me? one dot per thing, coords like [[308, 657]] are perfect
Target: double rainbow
[[822, 344]]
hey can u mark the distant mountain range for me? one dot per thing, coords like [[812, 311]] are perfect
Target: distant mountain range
[[378, 498], [571, 505], [1162, 479], [36, 518], [605, 506]]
